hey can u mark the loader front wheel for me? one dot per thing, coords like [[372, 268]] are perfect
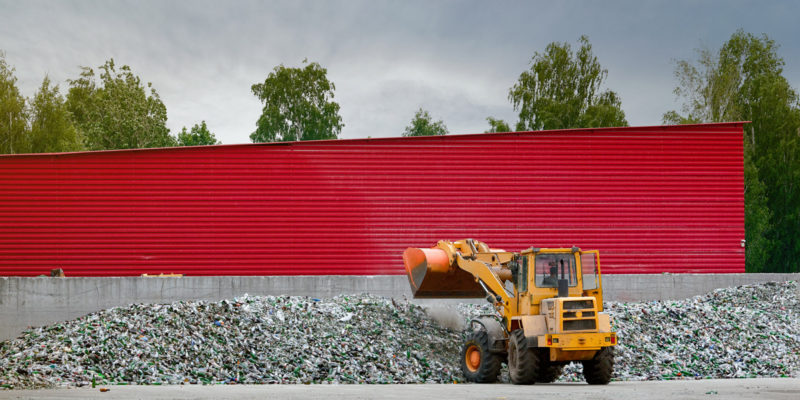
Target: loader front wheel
[[524, 363], [599, 369], [477, 363]]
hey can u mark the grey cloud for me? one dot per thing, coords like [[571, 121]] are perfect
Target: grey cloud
[[455, 58]]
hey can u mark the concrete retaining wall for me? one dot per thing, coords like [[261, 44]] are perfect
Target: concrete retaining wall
[[40, 301]]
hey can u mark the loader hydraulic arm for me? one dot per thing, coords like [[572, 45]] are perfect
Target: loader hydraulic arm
[[484, 274]]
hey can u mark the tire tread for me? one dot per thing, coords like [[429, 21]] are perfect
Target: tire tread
[[598, 370], [490, 366], [525, 369]]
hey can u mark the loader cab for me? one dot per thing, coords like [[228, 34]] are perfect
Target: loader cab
[[577, 270]]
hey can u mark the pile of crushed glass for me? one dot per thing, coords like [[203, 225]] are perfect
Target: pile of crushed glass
[[747, 331]]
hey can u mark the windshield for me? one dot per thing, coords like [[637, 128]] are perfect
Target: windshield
[[552, 267]]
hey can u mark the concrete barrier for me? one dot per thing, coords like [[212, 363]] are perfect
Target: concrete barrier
[[40, 301]]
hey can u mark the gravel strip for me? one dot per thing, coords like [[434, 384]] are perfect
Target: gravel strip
[[747, 331]]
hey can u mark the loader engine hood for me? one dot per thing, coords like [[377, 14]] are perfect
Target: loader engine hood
[[570, 314]]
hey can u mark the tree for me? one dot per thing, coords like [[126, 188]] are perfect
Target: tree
[[744, 80], [757, 215], [13, 113], [422, 125], [51, 127], [298, 105], [562, 90], [118, 112], [709, 90], [198, 136], [497, 125]]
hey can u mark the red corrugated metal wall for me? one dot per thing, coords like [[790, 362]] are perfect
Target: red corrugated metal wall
[[653, 199]]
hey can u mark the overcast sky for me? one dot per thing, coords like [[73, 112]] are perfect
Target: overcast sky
[[457, 59]]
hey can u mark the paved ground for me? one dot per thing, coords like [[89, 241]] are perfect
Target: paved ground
[[704, 389]]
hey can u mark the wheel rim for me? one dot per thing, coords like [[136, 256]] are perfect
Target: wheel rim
[[473, 358]]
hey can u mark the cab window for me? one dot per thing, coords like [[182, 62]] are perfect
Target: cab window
[[552, 267], [522, 277], [589, 271]]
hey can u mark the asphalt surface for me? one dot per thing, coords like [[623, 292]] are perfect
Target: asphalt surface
[[766, 388]]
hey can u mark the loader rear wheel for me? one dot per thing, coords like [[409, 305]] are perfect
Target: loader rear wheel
[[477, 363], [548, 372], [599, 369], [523, 363]]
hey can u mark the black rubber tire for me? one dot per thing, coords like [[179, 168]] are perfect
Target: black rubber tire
[[599, 369], [549, 372], [524, 363], [490, 364]]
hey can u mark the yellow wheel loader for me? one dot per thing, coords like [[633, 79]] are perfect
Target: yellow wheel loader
[[549, 315]]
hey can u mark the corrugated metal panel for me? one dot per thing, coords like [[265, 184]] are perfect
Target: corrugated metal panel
[[653, 199]]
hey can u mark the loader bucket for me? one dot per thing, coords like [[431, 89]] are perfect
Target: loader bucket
[[432, 277]]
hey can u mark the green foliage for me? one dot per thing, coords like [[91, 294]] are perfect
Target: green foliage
[[562, 90], [422, 125], [198, 136], [709, 90], [673, 118], [298, 105], [497, 125], [744, 81], [51, 127], [13, 113], [117, 112], [756, 219]]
